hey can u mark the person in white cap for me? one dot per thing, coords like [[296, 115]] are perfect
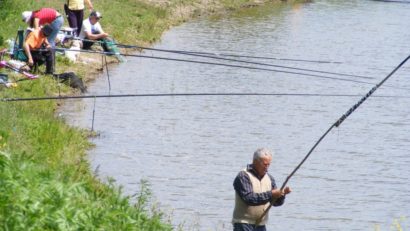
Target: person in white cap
[[43, 16], [92, 31], [255, 189]]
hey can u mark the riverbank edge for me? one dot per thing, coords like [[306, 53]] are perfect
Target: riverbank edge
[[47, 181]]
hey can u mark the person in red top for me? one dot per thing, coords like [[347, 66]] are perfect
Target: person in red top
[[35, 41], [37, 18]]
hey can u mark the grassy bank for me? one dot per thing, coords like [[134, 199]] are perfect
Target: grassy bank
[[45, 181]]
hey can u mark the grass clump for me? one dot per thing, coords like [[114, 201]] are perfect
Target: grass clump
[[38, 198], [397, 225], [46, 182]]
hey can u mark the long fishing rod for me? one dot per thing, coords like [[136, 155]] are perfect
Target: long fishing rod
[[336, 124], [216, 54], [227, 65], [218, 57], [394, 1], [263, 69], [187, 94], [267, 58]]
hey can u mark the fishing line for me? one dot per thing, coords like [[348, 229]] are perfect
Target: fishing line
[[261, 57], [92, 122], [59, 85], [215, 54], [394, 1], [263, 69], [336, 124], [232, 65], [188, 95], [108, 74]]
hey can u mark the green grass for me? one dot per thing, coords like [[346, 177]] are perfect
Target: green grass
[[46, 182], [130, 21], [397, 225], [36, 197], [133, 21]]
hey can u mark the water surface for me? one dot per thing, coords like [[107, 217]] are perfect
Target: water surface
[[191, 148]]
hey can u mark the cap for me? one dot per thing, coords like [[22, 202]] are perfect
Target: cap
[[96, 14], [47, 29], [26, 15]]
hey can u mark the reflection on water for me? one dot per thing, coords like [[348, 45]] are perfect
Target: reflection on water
[[191, 148]]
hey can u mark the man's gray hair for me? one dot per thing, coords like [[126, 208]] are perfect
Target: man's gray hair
[[261, 153]]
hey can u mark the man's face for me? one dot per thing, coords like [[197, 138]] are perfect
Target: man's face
[[261, 166], [43, 34], [94, 20]]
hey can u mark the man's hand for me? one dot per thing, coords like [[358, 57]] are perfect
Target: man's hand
[[30, 61], [287, 190], [276, 193], [90, 5]]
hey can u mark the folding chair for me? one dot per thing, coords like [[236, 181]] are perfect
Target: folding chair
[[18, 51]]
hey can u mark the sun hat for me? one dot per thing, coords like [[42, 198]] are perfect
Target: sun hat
[[26, 15]]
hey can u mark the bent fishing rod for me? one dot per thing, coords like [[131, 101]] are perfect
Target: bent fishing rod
[[223, 64], [210, 53], [187, 95], [336, 124]]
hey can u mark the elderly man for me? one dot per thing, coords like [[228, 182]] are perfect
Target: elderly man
[[255, 189]]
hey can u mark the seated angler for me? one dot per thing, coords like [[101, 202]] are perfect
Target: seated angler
[[92, 31], [37, 48]]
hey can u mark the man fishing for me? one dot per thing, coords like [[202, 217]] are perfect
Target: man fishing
[[34, 46], [254, 190], [91, 31]]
